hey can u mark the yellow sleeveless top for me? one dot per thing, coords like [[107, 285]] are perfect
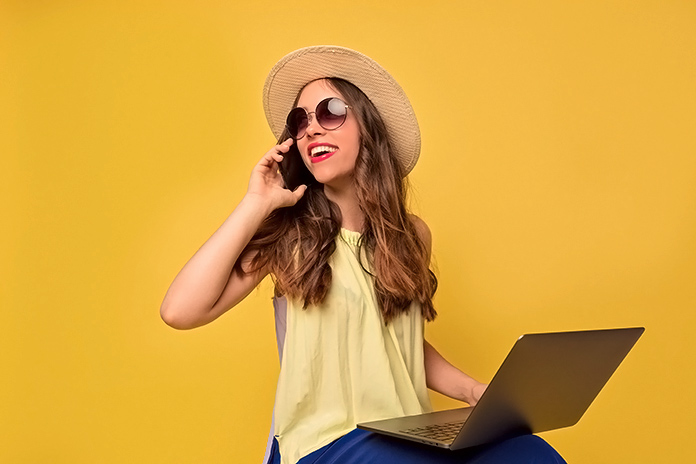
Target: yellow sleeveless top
[[341, 365]]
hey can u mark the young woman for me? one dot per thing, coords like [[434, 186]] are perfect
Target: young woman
[[350, 265]]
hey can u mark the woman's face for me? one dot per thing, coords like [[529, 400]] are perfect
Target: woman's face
[[335, 167]]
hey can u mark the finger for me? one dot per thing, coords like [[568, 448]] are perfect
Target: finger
[[275, 154], [267, 161], [299, 192], [283, 147], [271, 158], [287, 143]]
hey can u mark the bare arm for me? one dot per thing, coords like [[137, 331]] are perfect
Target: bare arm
[[206, 287], [444, 378], [440, 375]]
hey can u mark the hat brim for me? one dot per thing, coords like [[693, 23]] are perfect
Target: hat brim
[[305, 65]]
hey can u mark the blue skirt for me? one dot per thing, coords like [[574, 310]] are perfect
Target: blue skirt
[[363, 447]]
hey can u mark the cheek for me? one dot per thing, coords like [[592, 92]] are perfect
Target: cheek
[[301, 145], [353, 140], [302, 148], [356, 151]]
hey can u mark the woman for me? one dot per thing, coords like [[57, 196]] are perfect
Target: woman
[[350, 266]]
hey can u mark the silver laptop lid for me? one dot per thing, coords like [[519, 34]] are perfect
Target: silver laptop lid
[[546, 382]]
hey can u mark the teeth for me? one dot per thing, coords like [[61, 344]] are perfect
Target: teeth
[[316, 151]]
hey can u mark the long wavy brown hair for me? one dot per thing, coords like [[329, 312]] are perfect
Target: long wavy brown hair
[[295, 243]]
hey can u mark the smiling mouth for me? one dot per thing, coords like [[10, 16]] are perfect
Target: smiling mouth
[[321, 150]]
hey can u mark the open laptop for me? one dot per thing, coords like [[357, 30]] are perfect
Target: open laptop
[[546, 382]]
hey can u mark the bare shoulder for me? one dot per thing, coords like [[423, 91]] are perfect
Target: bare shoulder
[[422, 230]]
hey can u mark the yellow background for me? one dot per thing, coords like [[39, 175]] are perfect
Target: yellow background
[[558, 175]]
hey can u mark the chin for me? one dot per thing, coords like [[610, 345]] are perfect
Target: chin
[[335, 182]]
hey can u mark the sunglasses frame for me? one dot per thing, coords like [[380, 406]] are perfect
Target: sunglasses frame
[[325, 101]]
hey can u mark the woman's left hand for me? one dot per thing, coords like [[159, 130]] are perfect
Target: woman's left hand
[[444, 378]]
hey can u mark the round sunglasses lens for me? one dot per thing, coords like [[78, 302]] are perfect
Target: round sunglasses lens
[[297, 123], [331, 113]]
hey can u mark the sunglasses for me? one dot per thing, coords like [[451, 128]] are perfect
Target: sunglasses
[[330, 114]]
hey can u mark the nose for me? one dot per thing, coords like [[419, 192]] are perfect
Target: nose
[[313, 127]]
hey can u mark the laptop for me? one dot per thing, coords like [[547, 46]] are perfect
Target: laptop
[[547, 382]]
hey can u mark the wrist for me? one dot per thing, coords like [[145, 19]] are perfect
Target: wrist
[[475, 392], [257, 203]]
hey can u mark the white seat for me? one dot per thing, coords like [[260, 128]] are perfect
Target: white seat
[[280, 309]]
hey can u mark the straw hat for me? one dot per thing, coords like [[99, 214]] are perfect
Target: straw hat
[[302, 66]]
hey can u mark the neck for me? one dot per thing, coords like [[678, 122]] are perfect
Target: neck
[[347, 202]]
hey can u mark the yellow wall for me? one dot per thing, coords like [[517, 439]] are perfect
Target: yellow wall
[[558, 176]]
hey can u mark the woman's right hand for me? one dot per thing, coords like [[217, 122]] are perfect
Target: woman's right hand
[[267, 184], [207, 286]]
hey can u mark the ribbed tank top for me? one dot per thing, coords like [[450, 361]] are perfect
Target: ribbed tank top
[[341, 365]]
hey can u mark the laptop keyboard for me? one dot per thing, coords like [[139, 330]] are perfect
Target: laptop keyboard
[[441, 432]]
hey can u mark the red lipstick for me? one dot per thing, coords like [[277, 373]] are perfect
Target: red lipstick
[[320, 154]]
